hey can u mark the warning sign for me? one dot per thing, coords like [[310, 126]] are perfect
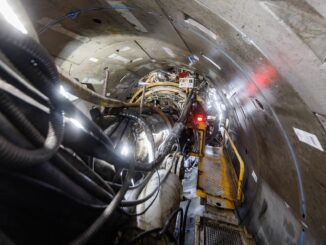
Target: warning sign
[[308, 138], [186, 82]]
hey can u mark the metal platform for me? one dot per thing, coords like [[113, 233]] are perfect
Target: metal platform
[[211, 232], [216, 179], [214, 234]]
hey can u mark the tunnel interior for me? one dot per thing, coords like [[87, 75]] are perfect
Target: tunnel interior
[[258, 73]]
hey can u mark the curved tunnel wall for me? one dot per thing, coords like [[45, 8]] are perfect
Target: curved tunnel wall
[[251, 57]]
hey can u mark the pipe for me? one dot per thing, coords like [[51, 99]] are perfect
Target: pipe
[[90, 96], [86, 94]]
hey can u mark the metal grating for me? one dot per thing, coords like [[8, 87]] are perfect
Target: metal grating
[[215, 234]]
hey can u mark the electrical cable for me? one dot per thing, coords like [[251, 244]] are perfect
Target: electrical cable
[[37, 66], [183, 233], [139, 201], [29, 180], [24, 125], [13, 156], [105, 216], [132, 187], [152, 202], [81, 166], [162, 230], [169, 220], [93, 188]]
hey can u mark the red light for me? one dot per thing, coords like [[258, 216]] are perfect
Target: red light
[[200, 118]]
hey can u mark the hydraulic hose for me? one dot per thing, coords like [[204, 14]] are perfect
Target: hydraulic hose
[[34, 62], [37, 66], [139, 201], [160, 231], [105, 216], [15, 157], [184, 225], [81, 166], [34, 55], [84, 181]]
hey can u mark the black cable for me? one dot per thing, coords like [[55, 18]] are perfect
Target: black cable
[[162, 230], [29, 130], [32, 181], [183, 233], [13, 156], [152, 202], [169, 220], [144, 234], [36, 65], [132, 187], [81, 166], [139, 201], [105, 216]]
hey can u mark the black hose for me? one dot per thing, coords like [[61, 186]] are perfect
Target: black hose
[[139, 201], [161, 230], [183, 233], [15, 157], [81, 166], [105, 216], [131, 187], [19, 120], [37, 66], [26, 54], [152, 202], [24, 125], [170, 218], [34, 62], [84, 181], [145, 234]]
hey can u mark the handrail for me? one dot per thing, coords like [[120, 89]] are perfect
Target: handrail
[[241, 171]]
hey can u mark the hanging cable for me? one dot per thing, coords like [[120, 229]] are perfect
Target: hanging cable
[[160, 231], [152, 202], [105, 216], [139, 201], [13, 156]]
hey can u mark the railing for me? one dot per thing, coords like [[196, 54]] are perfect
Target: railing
[[241, 167]]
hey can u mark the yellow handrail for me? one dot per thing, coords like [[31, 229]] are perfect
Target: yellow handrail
[[241, 172]]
